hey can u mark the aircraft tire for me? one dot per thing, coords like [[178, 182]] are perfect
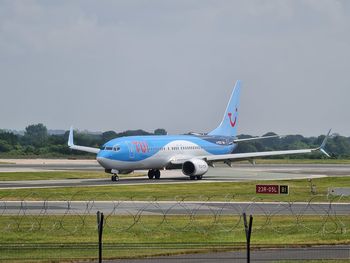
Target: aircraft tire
[[157, 174], [199, 177], [192, 177], [114, 178], [150, 174]]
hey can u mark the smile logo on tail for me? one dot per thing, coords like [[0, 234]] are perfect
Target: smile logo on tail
[[233, 123]]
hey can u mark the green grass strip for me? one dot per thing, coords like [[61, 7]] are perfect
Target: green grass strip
[[228, 191], [73, 237], [58, 175]]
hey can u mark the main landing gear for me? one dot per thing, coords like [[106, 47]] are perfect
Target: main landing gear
[[153, 173], [194, 177]]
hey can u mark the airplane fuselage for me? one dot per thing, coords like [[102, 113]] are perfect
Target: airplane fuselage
[[157, 152]]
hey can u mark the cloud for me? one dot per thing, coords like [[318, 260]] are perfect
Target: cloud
[[148, 64]]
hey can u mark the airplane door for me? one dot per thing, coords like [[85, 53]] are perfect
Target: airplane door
[[131, 150]]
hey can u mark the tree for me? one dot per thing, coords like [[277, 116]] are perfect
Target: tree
[[108, 135], [36, 135], [160, 132], [339, 146], [9, 137], [245, 147], [133, 133], [4, 146]]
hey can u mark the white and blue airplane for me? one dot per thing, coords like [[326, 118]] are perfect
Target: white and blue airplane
[[192, 153]]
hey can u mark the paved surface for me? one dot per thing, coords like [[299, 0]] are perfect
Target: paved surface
[[172, 208], [21, 165], [168, 177], [222, 173], [262, 255], [218, 174]]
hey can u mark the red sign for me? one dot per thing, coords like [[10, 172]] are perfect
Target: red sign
[[267, 189]]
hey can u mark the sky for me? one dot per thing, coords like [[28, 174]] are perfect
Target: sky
[[118, 65]]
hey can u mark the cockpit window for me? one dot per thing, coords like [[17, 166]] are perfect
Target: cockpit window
[[115, 148]]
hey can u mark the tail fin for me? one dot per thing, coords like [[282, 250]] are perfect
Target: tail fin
[[228, 125]]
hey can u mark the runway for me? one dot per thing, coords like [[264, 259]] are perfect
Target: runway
[[341, 252], [238, 173], [189, 208], [168, 177]]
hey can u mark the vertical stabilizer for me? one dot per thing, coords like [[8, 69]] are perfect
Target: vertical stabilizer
[[228, 125]]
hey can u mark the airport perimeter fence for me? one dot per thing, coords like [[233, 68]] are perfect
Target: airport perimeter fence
[[63, 230]]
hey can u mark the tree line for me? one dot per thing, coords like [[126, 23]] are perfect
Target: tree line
[[37, 142]]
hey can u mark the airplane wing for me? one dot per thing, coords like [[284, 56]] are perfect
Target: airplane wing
[[252, 155], [80, 148], [210, 159]]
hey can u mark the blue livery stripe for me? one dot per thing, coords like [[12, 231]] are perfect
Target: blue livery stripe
[[138, 148]]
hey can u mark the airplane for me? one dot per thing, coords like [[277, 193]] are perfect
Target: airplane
[[193, 153]]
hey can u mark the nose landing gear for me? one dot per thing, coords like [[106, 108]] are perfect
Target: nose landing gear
[[114, 173], [115, 177]]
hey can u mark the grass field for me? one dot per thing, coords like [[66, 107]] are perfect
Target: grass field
[[315, 261], [238, 191], [2, 162], [152, 236]]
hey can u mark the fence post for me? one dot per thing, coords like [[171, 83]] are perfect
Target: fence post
[[100, 218], [248, 232]]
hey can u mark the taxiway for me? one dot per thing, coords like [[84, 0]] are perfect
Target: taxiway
[[189, 208]]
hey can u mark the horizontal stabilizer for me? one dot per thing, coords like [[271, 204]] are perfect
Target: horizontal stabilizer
[[256, 138]]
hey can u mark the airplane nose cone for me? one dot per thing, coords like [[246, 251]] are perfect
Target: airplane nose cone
[[102, 161]]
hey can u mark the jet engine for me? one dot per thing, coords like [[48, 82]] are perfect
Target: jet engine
[[194, 167]]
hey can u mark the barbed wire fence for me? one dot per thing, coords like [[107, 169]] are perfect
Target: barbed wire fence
[[180, 215], [29, 225]]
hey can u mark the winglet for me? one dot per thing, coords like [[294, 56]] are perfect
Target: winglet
[[70, 137], [77, 147], [321, 148]]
